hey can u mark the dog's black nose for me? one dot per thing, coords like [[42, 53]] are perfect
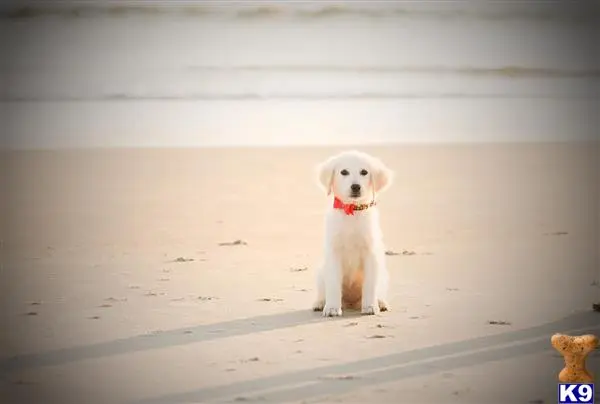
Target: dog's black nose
[[355, 187]]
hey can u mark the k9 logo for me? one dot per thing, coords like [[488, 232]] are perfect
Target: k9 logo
[[571, 393]]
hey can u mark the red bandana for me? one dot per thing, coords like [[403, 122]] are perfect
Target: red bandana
[[350, 207]]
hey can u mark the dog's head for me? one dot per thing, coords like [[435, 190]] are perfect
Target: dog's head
[[354, 177]]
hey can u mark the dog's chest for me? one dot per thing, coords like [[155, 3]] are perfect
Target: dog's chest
[[353, 238]]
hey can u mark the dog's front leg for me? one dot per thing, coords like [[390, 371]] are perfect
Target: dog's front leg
[[319, 303], [332, 276], [372, 267]]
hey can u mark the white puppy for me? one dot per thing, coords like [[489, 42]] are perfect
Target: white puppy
[[354, 270]]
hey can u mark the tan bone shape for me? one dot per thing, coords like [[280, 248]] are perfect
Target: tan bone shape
[[574, 350]]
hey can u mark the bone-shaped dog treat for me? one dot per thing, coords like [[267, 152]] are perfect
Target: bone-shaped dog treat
[[574, 351]]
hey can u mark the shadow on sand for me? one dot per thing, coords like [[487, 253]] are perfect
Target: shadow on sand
[[305, 384], [162, 339]]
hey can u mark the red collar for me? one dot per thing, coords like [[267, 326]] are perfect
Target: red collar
[[350, 207]]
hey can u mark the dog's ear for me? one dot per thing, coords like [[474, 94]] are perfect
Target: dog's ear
[[381, 176], [325, 173]]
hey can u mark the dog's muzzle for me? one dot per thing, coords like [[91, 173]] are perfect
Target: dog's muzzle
[[355, 190]]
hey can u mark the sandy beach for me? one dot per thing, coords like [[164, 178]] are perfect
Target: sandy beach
[[165, 275], [147, 257]]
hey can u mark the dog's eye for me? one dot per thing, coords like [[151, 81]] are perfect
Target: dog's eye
[[364, 172], [344, 172]]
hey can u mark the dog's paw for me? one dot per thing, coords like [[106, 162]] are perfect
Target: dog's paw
[[329, 311], [370, 310], [383, 305], [318, 305]]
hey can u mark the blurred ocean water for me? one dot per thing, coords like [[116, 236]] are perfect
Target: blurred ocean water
[[191, 73]]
